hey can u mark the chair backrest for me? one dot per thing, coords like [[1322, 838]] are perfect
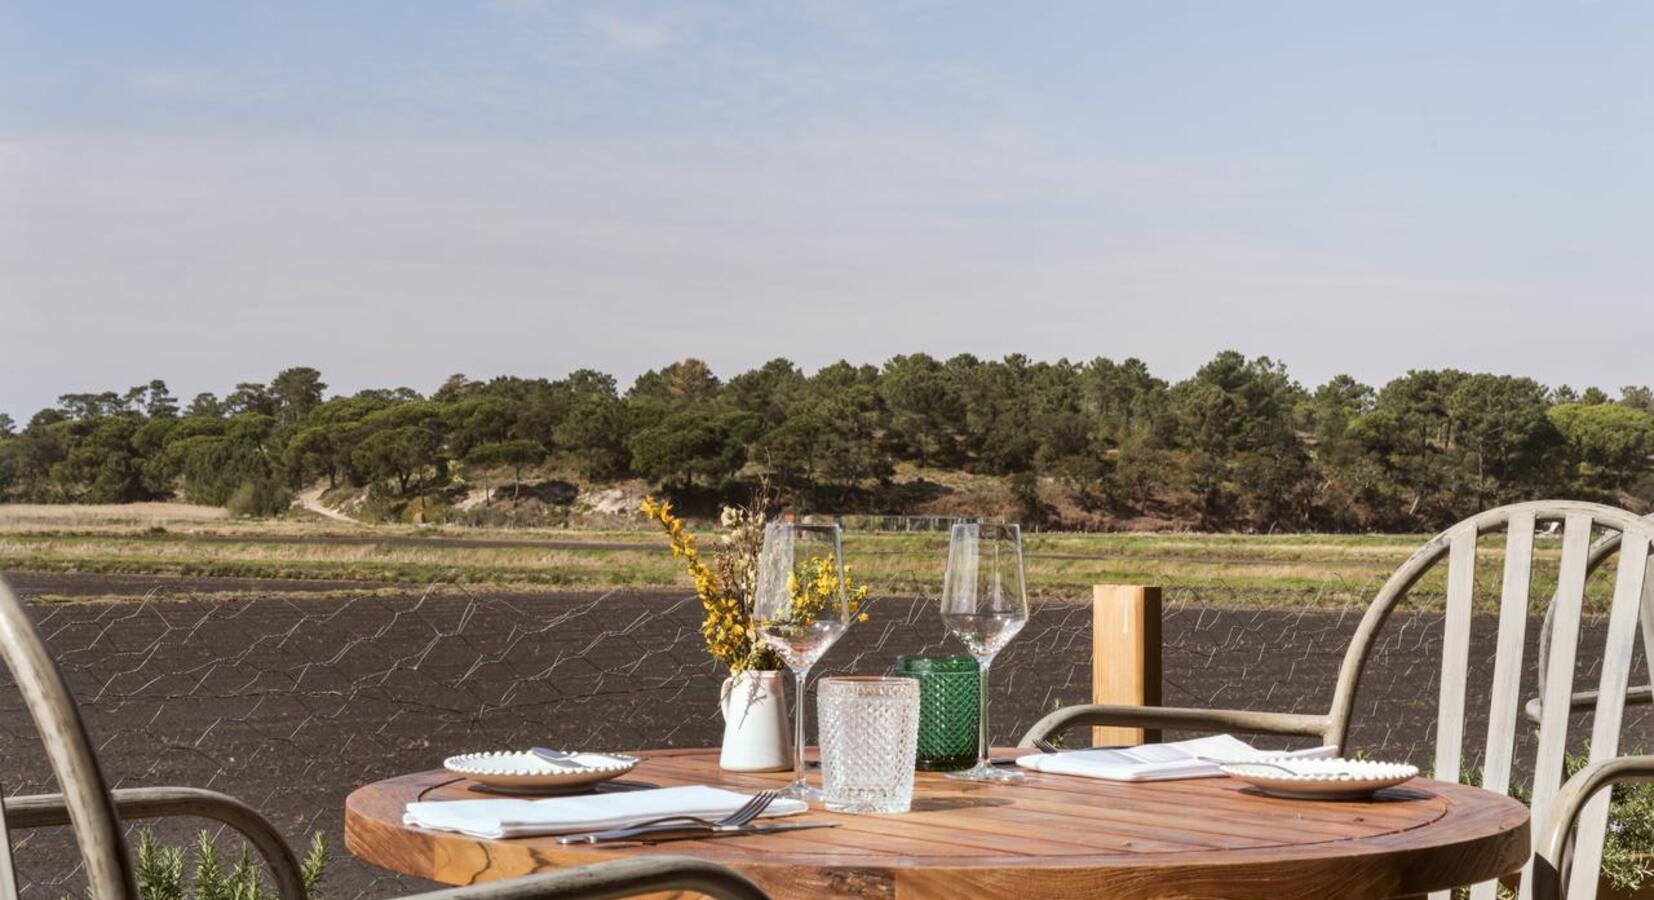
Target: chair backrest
[[1631, 602], [57, 720], [1602, 551]]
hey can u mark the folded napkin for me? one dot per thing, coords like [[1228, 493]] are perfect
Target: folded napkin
[[1161, 762], [505, 818]]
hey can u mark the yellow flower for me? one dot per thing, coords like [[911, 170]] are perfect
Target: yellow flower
[[726, 625]]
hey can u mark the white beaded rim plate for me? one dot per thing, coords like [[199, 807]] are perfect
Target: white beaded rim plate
[[1320, 779], [519, 770]]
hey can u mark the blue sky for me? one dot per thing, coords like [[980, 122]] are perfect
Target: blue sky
[[207, 192]]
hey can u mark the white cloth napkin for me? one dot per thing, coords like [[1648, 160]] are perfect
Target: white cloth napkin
[[505, 818], [1161, 762]]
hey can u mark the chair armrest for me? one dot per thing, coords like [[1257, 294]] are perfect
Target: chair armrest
[[1556, 832], [47, 810], [1171, 717], [620, 878], [1585, 701]]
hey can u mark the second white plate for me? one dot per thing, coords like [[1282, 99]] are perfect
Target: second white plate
[[523, 772], [1321, 779]]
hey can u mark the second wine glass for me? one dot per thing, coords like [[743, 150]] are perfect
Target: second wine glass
[[800, 609], [984, 604]]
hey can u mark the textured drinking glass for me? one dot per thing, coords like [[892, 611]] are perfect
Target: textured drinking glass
[[869, 728], [947, 710]]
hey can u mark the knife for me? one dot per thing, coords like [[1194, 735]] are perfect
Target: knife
[[687, 830], [736, 832]]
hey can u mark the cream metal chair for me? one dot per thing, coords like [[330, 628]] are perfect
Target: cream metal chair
[[97, 814], [1553, 843], [1553, 839], [1457, 547]]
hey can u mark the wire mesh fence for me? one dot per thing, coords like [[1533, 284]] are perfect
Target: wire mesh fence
[[289, 702]]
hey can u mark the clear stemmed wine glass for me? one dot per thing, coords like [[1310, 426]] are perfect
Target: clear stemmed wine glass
[[800, 609], [984, 604]]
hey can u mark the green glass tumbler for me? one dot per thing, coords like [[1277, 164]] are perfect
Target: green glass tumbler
[[948, 710]]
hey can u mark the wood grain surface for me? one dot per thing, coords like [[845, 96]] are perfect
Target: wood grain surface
[[1055, 836]]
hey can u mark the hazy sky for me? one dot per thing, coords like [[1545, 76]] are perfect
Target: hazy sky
[[208, 192]]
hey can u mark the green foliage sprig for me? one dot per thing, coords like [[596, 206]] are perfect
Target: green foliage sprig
[[161, 870]]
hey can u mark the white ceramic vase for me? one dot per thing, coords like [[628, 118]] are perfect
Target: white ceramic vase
[[757, 729]]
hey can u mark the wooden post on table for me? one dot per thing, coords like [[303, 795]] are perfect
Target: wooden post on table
[[1125, 656]]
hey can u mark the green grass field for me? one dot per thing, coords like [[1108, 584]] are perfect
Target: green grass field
[[1247, 570]]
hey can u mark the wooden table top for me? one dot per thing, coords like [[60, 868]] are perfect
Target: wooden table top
[[1055, 836]]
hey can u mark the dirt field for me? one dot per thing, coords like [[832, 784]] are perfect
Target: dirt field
[[291, 701]]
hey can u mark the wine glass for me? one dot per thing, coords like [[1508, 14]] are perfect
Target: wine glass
[[800, 609], [984, 604]]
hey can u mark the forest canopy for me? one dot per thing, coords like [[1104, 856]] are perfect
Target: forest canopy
[[1239, 445]]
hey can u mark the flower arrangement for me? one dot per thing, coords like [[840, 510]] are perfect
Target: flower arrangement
[[726, 586]]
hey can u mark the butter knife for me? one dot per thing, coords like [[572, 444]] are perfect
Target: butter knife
[[556, 757]]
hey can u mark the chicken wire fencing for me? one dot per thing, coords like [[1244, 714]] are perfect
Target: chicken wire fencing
[[289, 703]]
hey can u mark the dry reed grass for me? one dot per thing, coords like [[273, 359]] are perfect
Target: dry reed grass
[[78, 515], [1317, 570]]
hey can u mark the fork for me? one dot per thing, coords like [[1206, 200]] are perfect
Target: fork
[[748, 811]]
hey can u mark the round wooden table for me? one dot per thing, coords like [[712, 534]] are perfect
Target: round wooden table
[[1055, 836]]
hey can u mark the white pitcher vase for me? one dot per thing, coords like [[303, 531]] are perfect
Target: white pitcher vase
[[757, 729]]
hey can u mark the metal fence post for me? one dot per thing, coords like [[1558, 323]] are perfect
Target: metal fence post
[[1125, 655]]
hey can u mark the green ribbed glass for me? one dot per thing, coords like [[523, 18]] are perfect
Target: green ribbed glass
[[947, 710]]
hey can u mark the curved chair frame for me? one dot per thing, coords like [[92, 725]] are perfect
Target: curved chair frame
[[85, 799], [1457, 546], [97, 813], [1601, 552], [1554, 842]]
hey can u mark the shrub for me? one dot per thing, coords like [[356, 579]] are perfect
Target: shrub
[[259, 497], [160, 870]]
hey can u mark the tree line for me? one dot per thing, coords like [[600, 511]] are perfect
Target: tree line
[[1239, 445]]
